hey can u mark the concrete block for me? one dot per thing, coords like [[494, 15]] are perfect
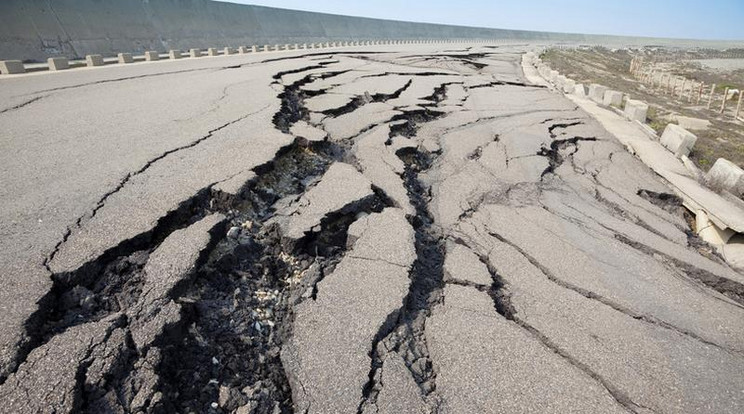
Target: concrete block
[[228, 51], [569, 85], [678, 140], [297, 46], [195, 53], [58, 63], [725, 175], [254, 48], [9, 67], [93, 60], [613, 98], [636, 110], [277, 47], [242, 50], [579, 90], [553, 75], [152, 56], [266, 48], [304, 45], [125, 58], [287, 47], [212, 51], [597, 92], [174, 54]]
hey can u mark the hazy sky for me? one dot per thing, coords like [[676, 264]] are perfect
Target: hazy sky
[[700, 19]]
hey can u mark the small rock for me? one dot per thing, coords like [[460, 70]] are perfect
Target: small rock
[[215, 361], [215, 405], [233, 233], [224, 396], [248, 408]]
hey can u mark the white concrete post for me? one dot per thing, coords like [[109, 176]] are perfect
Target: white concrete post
[[58, 63], [212, 51], [700, 93], [228, 50], [152, 56], [93, 60], [125, 58], [710, 97], [723, 104], [174, 54], [266, 48], [242, 50], [9, 67], [195, 53], [254, 49], [738, 106]]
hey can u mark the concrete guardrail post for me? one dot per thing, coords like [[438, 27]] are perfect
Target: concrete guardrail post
[[195, 53], [254, 49], [678, 140], [725, 175], [613, 98], [212, 51], [636, 110], [596, 92], [58, 63], [242, 50], [10, 67], [266, 48], [125, 58], [174, 54], [152, 55], [228, 51], [93, 60]]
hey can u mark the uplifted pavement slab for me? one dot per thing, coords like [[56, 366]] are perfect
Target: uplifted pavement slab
[[327, 359], [338, 190]]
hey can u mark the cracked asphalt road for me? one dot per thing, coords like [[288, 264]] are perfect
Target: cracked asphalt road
[[398, 229]]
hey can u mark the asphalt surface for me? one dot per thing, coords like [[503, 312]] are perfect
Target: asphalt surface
[[390, 229]]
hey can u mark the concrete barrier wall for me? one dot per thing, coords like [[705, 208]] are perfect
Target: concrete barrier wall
[[32, 30]]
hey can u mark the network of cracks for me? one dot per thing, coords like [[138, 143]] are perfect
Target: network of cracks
[[236, 303]]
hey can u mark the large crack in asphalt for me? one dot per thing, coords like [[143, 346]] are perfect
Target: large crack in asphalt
[[359, 101], [730, 288], [603, 300], [403, 331], [502, 304], [293, 107], [239, 310], [22, 104], [102, 201], [252, 278]]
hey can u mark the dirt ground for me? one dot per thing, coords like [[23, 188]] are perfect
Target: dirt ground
[[723, 138]]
